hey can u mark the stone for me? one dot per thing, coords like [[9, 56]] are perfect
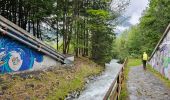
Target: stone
[[27, 98], [1, 93], [8, 98], [29, 85], [1, 80], [38, 77], [5, 87]]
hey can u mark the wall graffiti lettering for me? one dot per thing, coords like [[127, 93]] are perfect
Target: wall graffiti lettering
[[161, 59], [15, 56]]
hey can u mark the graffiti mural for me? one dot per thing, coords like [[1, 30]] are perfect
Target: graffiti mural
[[15, 56], [161, 59]]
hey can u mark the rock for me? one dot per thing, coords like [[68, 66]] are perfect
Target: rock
[[68, 77], [24, 76], [38, 77], [60, 98], [29, 85], [30, 76], [1, 80], [4, 88], [77, 94], [1, 93], [14, 77], [73, 95], [27, 98], [38, 86], [87, 81], [57, 83], [50, 69], [165, 93], [8, 98]]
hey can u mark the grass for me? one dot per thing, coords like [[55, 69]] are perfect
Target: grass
[[77, 82], [131, 63], [53, 84], [165, 80], [134, 62]]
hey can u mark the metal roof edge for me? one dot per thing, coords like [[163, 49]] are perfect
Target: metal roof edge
[[160, 41]]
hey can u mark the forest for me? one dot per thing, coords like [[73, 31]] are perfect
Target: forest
[[86, 27], [80, 27], [144, 36], [106, 64]]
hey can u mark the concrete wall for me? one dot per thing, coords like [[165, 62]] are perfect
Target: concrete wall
[[15, 57], [161, 56]]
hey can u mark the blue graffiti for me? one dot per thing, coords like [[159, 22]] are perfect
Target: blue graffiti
[[15, 56]]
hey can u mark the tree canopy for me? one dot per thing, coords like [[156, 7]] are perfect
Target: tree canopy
[[145, 35], [83, 25]]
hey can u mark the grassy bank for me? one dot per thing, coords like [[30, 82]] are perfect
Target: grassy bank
[[158, 75], [131, 63], [84, 69], [52, 84]]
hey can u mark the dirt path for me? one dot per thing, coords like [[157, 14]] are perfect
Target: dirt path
[[142, 85]]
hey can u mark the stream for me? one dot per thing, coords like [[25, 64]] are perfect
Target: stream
[[97, 88]]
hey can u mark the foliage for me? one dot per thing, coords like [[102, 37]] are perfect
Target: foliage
[[102, 35], [121, 47], [145, 35], [27, 14], [83, 25], [85, 69]]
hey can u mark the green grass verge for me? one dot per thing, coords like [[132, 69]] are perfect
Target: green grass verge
[[165, 80], [131, 63], [134, 62]]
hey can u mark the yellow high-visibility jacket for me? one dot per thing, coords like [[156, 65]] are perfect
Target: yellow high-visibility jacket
[[145, 56]]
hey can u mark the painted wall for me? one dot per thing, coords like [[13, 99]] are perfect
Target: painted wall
[[161, 59], [15, 57]]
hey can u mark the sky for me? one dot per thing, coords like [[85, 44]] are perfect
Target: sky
[[133, 12]]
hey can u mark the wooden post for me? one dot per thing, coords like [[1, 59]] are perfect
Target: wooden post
[[114, 91]]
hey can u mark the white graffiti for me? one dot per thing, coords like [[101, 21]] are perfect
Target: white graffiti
[[15, 61]]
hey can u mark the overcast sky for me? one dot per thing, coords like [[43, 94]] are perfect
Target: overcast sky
[[133, 11]]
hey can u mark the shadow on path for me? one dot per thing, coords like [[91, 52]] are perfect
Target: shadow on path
[[142, 85]]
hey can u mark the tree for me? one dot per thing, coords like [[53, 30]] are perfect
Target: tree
[[145, 35], [84, 25]]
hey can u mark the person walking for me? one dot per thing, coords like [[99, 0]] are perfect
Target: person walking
[[144, 60]]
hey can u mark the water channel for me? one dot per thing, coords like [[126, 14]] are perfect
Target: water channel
[[97, 88]]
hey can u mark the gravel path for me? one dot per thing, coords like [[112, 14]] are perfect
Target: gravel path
[[142, 85]]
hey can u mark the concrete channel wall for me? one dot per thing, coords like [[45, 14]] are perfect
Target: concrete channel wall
[[15, 56], [160, 58], [20, 51]]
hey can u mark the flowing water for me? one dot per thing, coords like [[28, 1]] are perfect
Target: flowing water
[[96, 89]]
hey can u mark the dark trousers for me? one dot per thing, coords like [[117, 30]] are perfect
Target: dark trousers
[[144, 64]]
